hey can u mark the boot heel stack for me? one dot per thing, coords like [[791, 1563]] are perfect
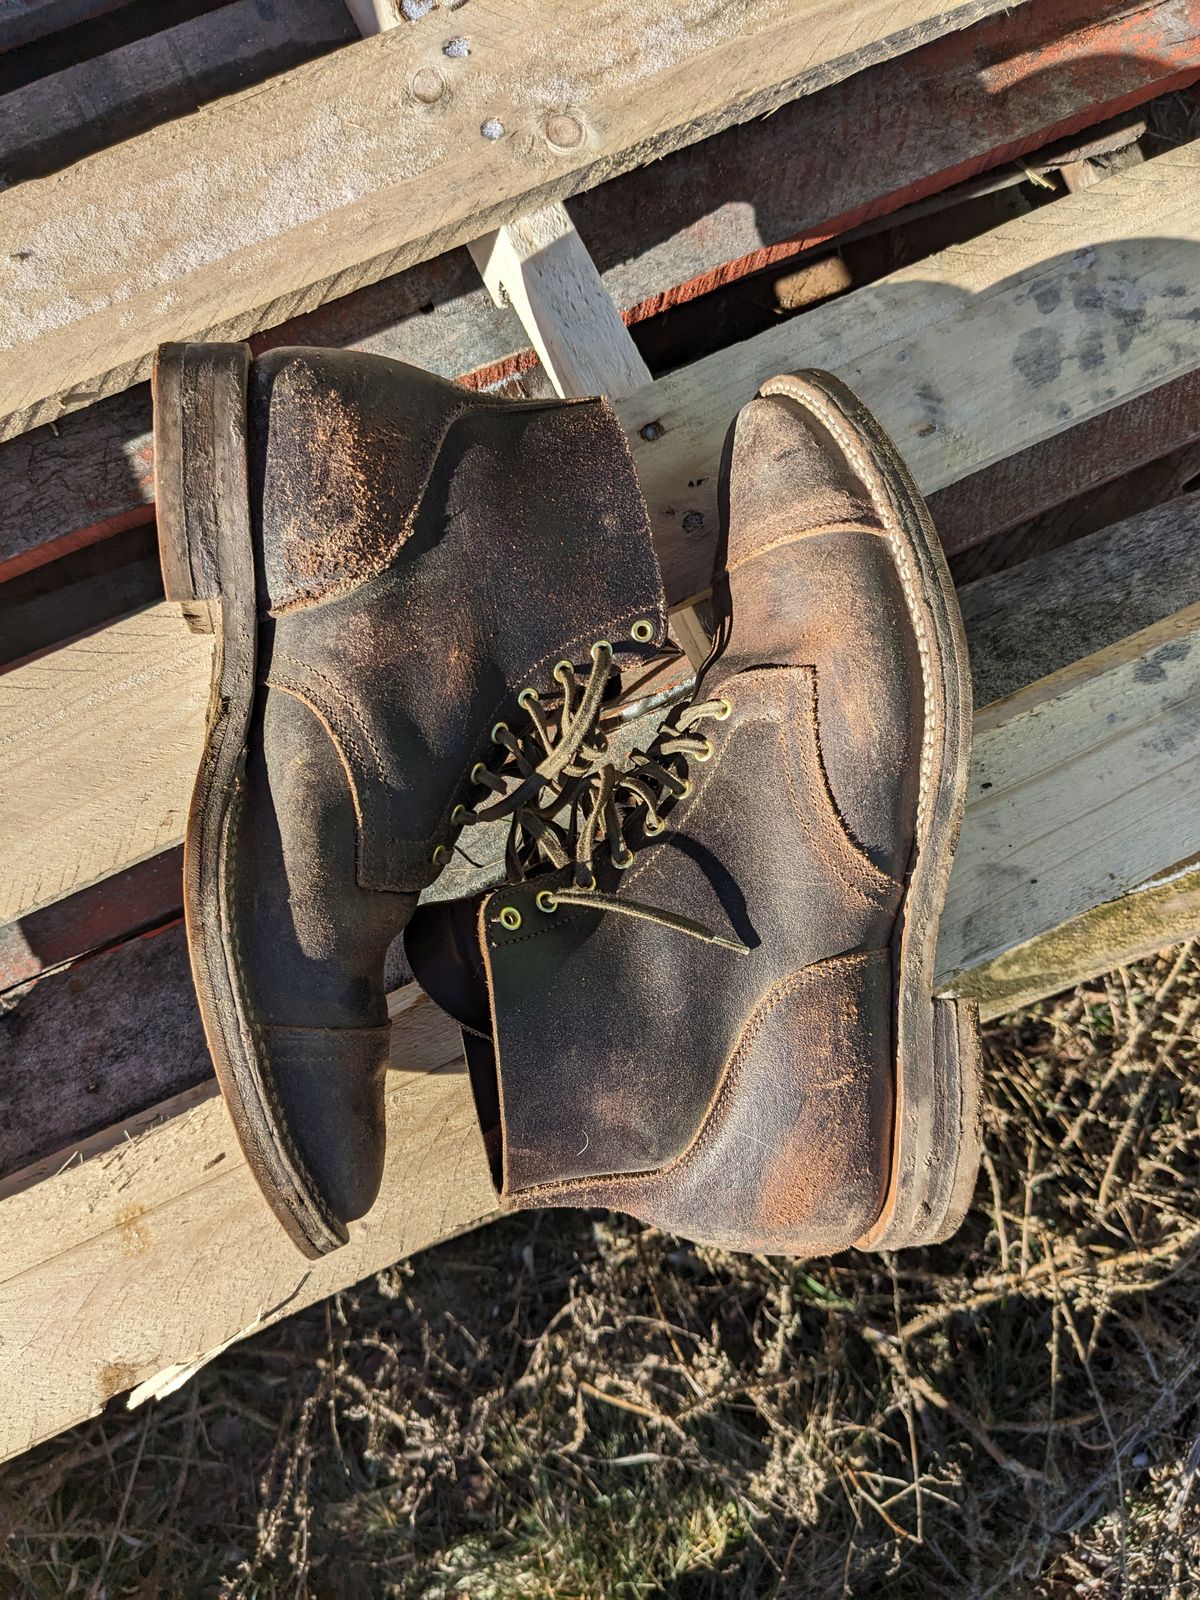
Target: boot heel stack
[[958, 1065], [199, 410]]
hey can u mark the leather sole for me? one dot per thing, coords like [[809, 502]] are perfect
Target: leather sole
[[207, 556], [936, 1138]]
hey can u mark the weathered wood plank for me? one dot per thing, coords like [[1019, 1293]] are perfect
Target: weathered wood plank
[[142, 896], [1037, 618], [154, 1249], [23, 21], [652, 248], [90, 1047], [1082, 786], [55, 120], [381, 154], [160, 1249], [1163, 422], [62, 759], [969, 357], [540, 266], [1162, 912]]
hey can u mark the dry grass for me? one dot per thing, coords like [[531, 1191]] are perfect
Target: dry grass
[[573, 1407]]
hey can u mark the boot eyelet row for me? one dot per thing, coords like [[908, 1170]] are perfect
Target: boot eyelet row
[[642, 630], [545, 901], [510, 918]]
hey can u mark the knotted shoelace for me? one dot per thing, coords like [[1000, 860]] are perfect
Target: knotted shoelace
[[564, 794]]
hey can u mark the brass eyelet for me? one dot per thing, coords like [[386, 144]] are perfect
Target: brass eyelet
[[478, 772], [589, 883], [651, 827], [561, 668], [706, 754], [497, 729], [545, 901], [623, 863], [687, 789], [601, 644], [440, 855], [526, 697], [459, 816], [726, 708], [510, 918], [642, 630]]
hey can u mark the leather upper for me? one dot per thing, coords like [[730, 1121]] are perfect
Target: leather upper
[[423, 554], [640, 1068]]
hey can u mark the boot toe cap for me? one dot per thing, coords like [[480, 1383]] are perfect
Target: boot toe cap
[[325, 1092]]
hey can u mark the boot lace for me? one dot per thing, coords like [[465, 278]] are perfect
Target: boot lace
[[567, 797]]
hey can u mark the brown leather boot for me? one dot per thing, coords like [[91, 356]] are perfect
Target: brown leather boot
[[388, 561], [721, 1018]]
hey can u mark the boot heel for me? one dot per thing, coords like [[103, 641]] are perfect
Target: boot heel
[[198, 390], [958, 1071]]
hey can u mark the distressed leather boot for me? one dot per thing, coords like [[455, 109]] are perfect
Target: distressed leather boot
[[388, 562], [719, 1015]]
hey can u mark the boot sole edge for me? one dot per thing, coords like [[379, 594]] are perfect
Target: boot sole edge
[[206, 553]]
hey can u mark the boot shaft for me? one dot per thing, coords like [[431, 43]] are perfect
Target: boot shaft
[[427, 553]]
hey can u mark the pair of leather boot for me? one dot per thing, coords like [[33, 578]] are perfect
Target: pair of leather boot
[[703, 992]]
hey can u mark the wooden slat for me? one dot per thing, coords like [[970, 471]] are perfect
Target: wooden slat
[[1038, 618], [1082, 787], [1154, 915], [540, 266], [58, 119], [969, 357], [870, 144], [62, 759], [379, 155], [1164, 422], [159, 1249], [24, 21], [151, 1248]]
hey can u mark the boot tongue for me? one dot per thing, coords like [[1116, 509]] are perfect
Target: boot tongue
[[442, 946]]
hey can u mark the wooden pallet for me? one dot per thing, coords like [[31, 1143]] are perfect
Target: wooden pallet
[[1019, 370]]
